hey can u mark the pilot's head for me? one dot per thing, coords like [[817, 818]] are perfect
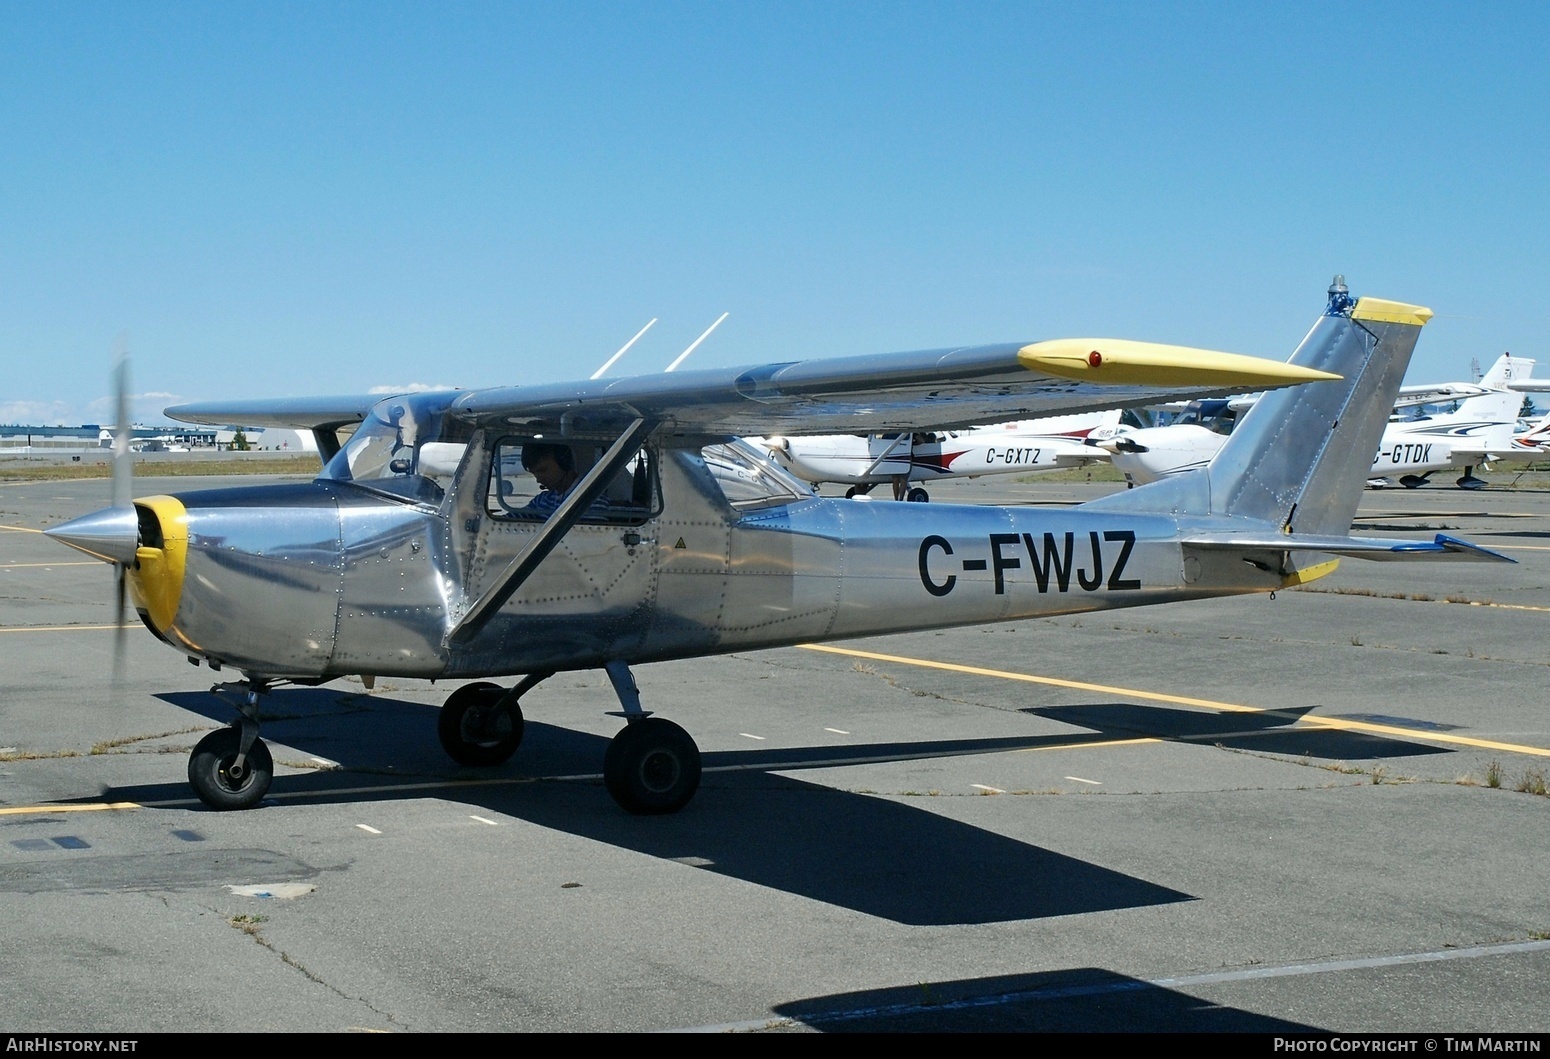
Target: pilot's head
[[553, 465]]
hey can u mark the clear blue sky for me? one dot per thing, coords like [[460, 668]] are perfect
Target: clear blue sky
[[276, 199]]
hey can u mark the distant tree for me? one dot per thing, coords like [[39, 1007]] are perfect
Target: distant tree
[[239, 442], [1528, 411]]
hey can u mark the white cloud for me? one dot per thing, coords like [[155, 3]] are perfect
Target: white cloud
[[143, 407], [39, 413]]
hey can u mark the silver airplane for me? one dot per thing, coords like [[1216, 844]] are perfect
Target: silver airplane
[[534, 529]]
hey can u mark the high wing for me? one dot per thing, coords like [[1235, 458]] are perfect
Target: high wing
[[933, 389], [295, 413]]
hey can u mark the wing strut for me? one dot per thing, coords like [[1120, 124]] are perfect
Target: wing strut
[[884, 457], [570, 511]]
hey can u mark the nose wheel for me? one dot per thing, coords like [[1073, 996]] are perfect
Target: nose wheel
[[224, 776], [232, 768]]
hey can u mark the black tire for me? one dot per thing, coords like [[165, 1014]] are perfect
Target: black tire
[[917, 495], [1469, 481], [218, 784], [652, 767], [1412, 481], [475, 729]]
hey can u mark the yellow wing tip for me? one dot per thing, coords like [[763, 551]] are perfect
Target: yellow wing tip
[[1120, 361], [1383, 311]]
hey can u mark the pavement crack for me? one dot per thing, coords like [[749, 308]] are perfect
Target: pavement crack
[[252, 926]]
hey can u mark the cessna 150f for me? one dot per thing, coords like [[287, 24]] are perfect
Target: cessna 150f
[[425, 548]]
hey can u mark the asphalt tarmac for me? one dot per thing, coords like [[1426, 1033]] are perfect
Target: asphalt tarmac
[[1288, 815]]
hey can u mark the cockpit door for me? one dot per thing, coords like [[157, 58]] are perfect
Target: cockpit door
[[590, 597]]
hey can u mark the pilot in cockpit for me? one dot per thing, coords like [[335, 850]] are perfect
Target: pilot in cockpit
[[554, 466]]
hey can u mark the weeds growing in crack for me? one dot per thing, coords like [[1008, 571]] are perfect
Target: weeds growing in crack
[[249, 925], [110, 745]]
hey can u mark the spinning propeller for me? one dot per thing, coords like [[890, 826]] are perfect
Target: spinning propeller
[[123, 492], [113, 534]]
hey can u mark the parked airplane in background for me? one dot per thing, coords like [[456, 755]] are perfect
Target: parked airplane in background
[[864, 461], [1533, 441], [1412, 449], [536, 529]]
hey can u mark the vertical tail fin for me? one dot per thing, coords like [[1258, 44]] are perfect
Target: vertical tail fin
[[1300, 457], [1500, 404], [1507, 370]]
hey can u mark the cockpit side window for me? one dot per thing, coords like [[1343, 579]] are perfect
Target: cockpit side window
[[530, 478]]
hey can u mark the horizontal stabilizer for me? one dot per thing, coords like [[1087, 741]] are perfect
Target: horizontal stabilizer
[[1377, 548]]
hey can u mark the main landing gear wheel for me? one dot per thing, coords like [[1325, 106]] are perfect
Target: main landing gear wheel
[[917, 495], [857, 490], [1412, 481], [652, 767], [476, 728], [217, 778], [1469, 481]]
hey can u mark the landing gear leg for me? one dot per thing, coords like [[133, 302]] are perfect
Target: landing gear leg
[[232, 768], [1469, 481], [652, 766]]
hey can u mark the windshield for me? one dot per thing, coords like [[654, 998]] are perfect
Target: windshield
[[749, 478], [407, 447]]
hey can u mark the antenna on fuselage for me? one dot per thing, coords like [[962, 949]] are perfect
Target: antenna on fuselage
[[695, 344], [622, 349]]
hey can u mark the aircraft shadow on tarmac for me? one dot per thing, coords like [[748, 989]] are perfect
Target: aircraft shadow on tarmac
[[1078, 1000], [1264, 731], [877, 856]]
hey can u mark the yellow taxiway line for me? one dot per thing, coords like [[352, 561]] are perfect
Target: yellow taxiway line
[[93, 807], [18, 566], [1335, 723]]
